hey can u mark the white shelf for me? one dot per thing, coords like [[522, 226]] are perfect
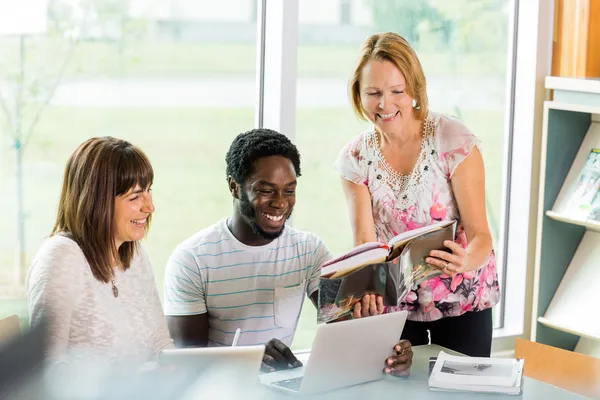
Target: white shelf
[[589, 224], [567, 264], [587, 85], [571, 330], [571, 308]]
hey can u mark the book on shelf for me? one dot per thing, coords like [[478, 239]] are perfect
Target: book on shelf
[[390, 270], [584, 200], [477, 374]]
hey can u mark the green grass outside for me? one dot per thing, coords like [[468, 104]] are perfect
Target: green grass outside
[[187, 148], [148, 59]]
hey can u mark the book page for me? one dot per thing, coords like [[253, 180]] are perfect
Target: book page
[[586, 187], [594, 214], [483, 371], [346, 265], [412, 266], [405, 237], [563, 203], [337, 296], [360, 255]]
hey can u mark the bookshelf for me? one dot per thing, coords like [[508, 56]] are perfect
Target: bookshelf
[[567, 258]]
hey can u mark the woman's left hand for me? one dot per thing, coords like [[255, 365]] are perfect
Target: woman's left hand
[[450, 263]]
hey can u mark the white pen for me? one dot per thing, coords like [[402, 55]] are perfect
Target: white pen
[[236, 337]]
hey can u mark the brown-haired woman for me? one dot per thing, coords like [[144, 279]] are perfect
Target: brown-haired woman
[[413, 168], [91, 277]]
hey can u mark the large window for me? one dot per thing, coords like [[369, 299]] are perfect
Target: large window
[[464, 47], [176, 78]]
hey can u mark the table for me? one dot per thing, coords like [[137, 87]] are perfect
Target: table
[[416, 386]]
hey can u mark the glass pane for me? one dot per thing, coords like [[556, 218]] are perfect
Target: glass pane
[[176, 79], [463, 47]]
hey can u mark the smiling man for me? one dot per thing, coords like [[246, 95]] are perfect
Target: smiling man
[[249, 271]]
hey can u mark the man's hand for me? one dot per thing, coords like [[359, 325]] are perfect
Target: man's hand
[[278, 356], [369, 305], [399, 364]]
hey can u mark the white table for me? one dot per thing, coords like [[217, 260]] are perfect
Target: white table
[[416, 387]]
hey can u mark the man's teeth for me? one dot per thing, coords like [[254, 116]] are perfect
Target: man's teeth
[[273, 217], [139, 221], [386, 116]]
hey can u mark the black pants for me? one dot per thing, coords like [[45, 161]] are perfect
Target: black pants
[[469, 334]]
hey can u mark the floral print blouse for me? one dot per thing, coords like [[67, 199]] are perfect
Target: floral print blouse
[[405, 202]]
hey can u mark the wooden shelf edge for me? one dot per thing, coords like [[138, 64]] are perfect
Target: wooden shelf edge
[[588, 224], [560, 327]]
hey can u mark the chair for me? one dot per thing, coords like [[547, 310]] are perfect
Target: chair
[[9, 328], [565, 369]]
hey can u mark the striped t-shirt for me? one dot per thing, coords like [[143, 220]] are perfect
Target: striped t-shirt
[[259, 289]]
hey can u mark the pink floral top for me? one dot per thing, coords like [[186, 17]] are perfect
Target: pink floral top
[[405, 202]]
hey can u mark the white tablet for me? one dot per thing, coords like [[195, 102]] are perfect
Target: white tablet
[[245, 360]]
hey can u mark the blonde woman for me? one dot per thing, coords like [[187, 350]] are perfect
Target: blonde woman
[[412, 168]]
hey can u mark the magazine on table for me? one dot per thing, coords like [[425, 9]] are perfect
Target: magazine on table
[[477, 374], [390, 270]]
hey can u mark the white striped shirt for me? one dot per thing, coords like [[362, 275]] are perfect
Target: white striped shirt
[[259, 289]]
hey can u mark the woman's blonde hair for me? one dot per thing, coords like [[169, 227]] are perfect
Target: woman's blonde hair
[[97, 172], [394, 48]]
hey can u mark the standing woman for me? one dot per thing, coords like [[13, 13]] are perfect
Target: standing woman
[[92, 277], [413, 168]]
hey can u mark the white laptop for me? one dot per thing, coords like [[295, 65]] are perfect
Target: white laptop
[[343, 354], [242, 361]]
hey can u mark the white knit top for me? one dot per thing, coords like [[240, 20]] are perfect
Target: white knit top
[[85, 317]]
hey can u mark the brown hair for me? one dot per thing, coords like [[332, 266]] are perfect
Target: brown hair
[[97, 172], [391, 47]]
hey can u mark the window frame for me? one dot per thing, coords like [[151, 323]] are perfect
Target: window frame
[[533, 51], [528, 63]]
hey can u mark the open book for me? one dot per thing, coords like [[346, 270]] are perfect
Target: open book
[[390, 269], [477, 374]]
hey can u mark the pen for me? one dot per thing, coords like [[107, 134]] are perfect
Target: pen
[[236, 337]]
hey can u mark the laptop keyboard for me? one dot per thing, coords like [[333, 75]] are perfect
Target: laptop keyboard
[[291, 384]]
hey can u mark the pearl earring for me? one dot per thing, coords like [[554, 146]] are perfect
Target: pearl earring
[[414, 104]]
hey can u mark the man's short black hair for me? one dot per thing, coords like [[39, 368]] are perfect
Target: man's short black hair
[[250, 146]]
